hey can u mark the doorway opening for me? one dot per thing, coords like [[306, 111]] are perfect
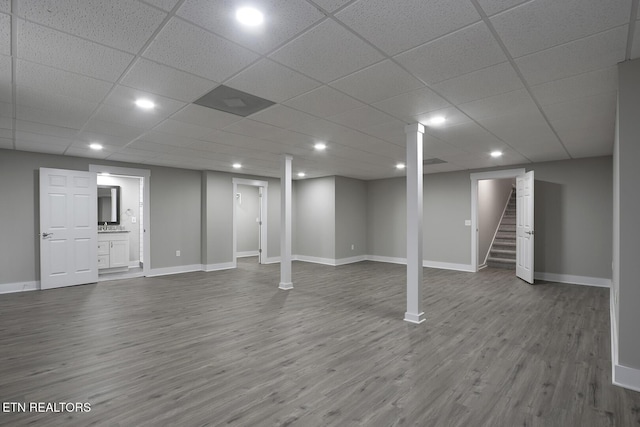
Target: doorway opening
[[124, 243], [249, 219], [478, 250], [497, 223]]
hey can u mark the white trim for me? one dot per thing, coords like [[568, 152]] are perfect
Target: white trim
[[219, 266], [272, 260], [9, 288], [601, 282], [414, 318], [315, 260], [145, 175], [264, 208], [390, 260], [246, 254], [475, 177], [155, 272], [350, 260], [626, 377], [448, 266]]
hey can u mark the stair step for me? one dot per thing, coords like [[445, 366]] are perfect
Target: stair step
[[501, 260], [507, 228], [502, 254], [501, 263], [506, 236], [504, 245], [508, 220]]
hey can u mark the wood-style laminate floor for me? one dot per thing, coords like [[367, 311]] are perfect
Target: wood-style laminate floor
[[229, 348]]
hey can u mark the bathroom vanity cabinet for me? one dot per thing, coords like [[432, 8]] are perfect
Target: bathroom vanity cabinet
[[113, 251]]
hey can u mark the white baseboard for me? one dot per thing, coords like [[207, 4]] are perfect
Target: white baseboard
[[271, 260], [314, 259], [154, 272], [245, 254], [391, 260], [622, 376], [134, 264], [220, 266], [350, 260], [575, 280], [9, 288], [447, 266]]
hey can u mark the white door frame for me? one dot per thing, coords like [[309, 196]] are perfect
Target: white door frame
[[475, 177], [263, 216], [145, 174]]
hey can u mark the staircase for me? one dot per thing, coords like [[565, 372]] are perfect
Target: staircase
[[503, 250]]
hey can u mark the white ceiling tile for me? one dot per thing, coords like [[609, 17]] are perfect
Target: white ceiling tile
[[29, 97], [323, 102], [392, 131], [435, 148], [189, 48], [480, 84], [5, 6], [272, 81], [592, 53], [59, 50], [283, 19], [159, 79], [281, 116], [635, 49], [5, 34], [587, 139], [336, 52], [361, 118], [6, 109], [491, 7], [6, 90], [6, 133], [413, 103], [85, 151], [152, 147], [110, 143], [167, 139], [70, 119], [6, 123], [468, 137], [319, 128], [39, 148], [188, 130], [125, 25], [592, 83], [256, 129], [129, 117], [163, 4], [43, 139], [130, 157], [528, 133], [330, 5], [44, 129], [118, 130], [7, 144], [452, 116], [462, 52], [377, 82], [204, 116], [124, 98], [541, 24], [397, 26], [499, 105], [583, 111], [52, 80]]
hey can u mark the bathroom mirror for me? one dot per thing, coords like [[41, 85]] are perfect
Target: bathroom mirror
[[108, 204]]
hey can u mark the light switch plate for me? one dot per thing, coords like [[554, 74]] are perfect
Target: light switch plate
[[133, 220], [467, 222]]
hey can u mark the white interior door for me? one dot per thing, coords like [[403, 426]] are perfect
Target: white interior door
[[68, 228], [259, 225], [524, 227]]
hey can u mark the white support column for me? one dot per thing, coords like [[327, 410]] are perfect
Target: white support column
[[285, 223], [414, 313]]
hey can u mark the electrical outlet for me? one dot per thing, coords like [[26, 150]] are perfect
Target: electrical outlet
[[353, 246], [133, 220], [177, 253]]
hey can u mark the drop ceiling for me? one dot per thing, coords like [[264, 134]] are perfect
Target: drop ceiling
[[536, 79]]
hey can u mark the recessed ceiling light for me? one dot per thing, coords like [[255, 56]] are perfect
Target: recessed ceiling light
[[302, 174], [145, 104], [320, 146], [400, 166], [104, 173], [249, 16], [437, 120], [496, 153], [95, 146], [236, 165]]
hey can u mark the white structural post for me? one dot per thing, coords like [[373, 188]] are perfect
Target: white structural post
[[285, 223], [414, 313]]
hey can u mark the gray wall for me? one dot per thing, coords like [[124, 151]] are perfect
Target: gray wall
[[493, 195], [175, 212], [129, 208], [570, 197], [247, 211], [315, 217], [350, 217], [629, 210]]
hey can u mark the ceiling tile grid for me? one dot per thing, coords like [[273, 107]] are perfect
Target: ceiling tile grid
[[5, 34], [324, 102]]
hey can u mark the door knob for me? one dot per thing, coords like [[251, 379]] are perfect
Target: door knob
[[531, 233], [45, 235]]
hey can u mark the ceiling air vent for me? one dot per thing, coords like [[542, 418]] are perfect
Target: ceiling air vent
[[434, 161], [233, 101]]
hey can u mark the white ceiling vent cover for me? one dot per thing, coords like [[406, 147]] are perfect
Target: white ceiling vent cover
[[233, 101]]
